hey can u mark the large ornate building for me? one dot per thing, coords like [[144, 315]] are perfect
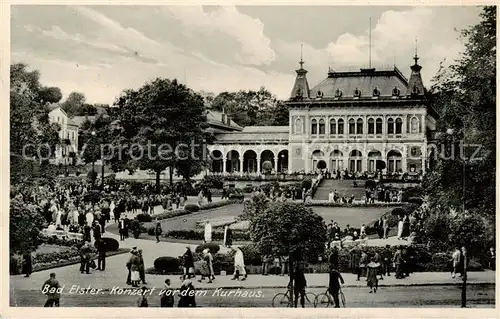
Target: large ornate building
[[350, 120]]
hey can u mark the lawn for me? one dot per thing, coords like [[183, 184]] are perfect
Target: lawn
[[354, 216]]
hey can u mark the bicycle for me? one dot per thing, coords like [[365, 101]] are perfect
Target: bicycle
[[325, 299], [283, 299]]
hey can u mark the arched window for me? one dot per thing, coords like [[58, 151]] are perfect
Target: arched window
[[390, 126], [394, 161], [352, 126], [314, 127], [298, 126], [378, 126], [371, 126], [399, 125], [355, 161], [333, 127], [321, 126], [414, 125], [340, 124], [359, 126]]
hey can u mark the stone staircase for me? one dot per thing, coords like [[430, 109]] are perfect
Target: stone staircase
[[343, 187]]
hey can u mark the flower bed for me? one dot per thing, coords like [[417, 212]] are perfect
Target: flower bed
[[326, 203], [182, 212]]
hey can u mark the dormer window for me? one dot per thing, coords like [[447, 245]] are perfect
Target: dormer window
[[415, 90], [376, 92], [338, 93], [298, 93], [357, 92], [319, 94], [396, 92]]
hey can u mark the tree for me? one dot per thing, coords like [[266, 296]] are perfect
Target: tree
[[74, 103], [248, 108], [289, 229], [281, 114], [465, 96], [25, 226], [168, 121], [29, 121]]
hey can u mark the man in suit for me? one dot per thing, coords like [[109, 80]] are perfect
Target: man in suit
[[121, 228], [334, 285], [50, 288], [85, 258], [101, 255]]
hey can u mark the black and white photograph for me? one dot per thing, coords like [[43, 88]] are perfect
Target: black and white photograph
[[251, 156]]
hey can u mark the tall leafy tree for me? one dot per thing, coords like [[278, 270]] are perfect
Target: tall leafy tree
[[164, 125], [29, 121], [74, 103], [465, 96], [288, 229]]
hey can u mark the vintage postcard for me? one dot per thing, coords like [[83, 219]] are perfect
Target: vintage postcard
[[251, 156]]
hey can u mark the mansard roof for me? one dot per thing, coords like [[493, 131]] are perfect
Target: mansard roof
[[366, 83]]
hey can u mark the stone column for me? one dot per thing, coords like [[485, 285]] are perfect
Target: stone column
[[224, 160], [404, 159], [276, 163], [240, 163], [258, 165]]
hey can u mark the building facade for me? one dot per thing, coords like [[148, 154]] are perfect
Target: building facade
[[349, 121], [68, 135]]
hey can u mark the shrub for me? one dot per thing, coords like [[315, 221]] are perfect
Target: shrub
[[248, 189], [213, 181], [15, 264], [192, 208], [92, 176], [415, 200], [251, 255], [306, 183], [191, 234], [213, 247], [167, 265], [111, 244], [370, 184], [236, 196], [144, 218], [151, 231]]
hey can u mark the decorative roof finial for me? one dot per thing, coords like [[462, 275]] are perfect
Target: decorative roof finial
[[416, 49], [301, 57]]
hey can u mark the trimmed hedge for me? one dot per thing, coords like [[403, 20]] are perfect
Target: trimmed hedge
[[191, 234], [236, 196], [54, 240], [144, 218], [167, 265], [192, 208], [111, 244], [213, 247]]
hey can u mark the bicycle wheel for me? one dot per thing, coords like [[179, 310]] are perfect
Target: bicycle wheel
[[309, 299], [281, 301], [342, 298], [322, 301]]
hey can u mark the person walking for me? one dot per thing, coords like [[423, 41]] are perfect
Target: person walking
[[335, 279], [27, 264], [491, 258], [373, 268], [158, 231], [385, 226], [141, 268], [51, 288], [398, 264], [239, 265], [121, 229], [133, 263], [85, 258], [142, 302], [299, 285], [400, 228], [387, 260], [208, 232], [455, 259], [167, 295], [188, 264], [363, 262], [97, 232], [334, 258], [378, 259], [187, 294], [101, 255], [355, 255]]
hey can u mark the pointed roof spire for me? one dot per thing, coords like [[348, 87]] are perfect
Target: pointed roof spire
[[415, 84], [301, 86], [301, 62]]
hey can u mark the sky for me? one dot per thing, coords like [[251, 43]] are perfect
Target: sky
[[102, 50]]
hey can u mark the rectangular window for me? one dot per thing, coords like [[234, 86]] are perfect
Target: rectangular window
[[341, 128], [379, 128], [352, 128], [314, 129]]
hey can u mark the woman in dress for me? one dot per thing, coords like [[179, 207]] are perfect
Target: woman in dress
[[400, 227], [371, 275], [406, 227], [188, 264], [208, 232], [134, 269]]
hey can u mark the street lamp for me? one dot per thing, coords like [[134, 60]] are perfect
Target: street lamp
[[93, 151], [464, 276]]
